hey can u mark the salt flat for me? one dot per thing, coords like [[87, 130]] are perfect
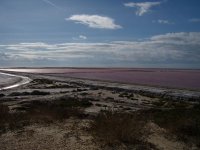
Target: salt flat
[[6, 80]]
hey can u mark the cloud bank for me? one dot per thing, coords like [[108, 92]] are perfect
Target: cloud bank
[[169, 50], [95, 21], [143, 7]]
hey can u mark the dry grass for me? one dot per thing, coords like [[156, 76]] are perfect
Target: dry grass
[[117, 127], [4, 112], [44, 112], [11, 121], [41, 112], [182, 122]]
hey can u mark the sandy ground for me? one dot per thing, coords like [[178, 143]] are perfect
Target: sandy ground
[[69, 135], [73, 133]]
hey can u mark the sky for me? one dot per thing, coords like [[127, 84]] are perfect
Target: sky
[[100, 33]]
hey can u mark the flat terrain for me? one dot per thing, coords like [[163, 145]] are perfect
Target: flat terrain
[[54, 111]]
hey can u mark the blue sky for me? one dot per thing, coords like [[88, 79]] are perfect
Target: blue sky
[[100, 33]]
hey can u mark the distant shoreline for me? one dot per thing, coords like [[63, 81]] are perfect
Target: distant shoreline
[[132, 68]]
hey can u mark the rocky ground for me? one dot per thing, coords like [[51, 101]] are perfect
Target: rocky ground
[[53, 112]]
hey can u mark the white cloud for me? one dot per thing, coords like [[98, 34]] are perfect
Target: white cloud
[[161, 21], [171, 48], [80, 37], [195, 20], [143, 7], [181, 38], [95, 21], [83, 37]]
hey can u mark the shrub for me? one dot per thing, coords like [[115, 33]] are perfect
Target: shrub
[[73, 102], [42, 81], [41, 112], [4, 112], [99, 105], [15, 94], [84, 94], [117, 127], [110, 98], [11, 121], [183, 122], [35, 92], [2, 95]]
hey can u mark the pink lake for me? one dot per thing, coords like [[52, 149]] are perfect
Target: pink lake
[[173, 78]]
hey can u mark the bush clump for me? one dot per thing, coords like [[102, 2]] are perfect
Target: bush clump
[[2, 95], [43, 111], [118, 127], [35, 92], [73, 102], [42, 81], [11, 121], [183, 122]]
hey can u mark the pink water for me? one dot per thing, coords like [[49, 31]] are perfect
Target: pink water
[[175, 78]]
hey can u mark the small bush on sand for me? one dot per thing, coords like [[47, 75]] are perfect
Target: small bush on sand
[[11, 121], [4, 112], [117, 127], [41, 112], [184, 122], [49, 112], [55, 110], [73, 102], [35, 92], [2, 95], [19, 94], [42, 81]]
